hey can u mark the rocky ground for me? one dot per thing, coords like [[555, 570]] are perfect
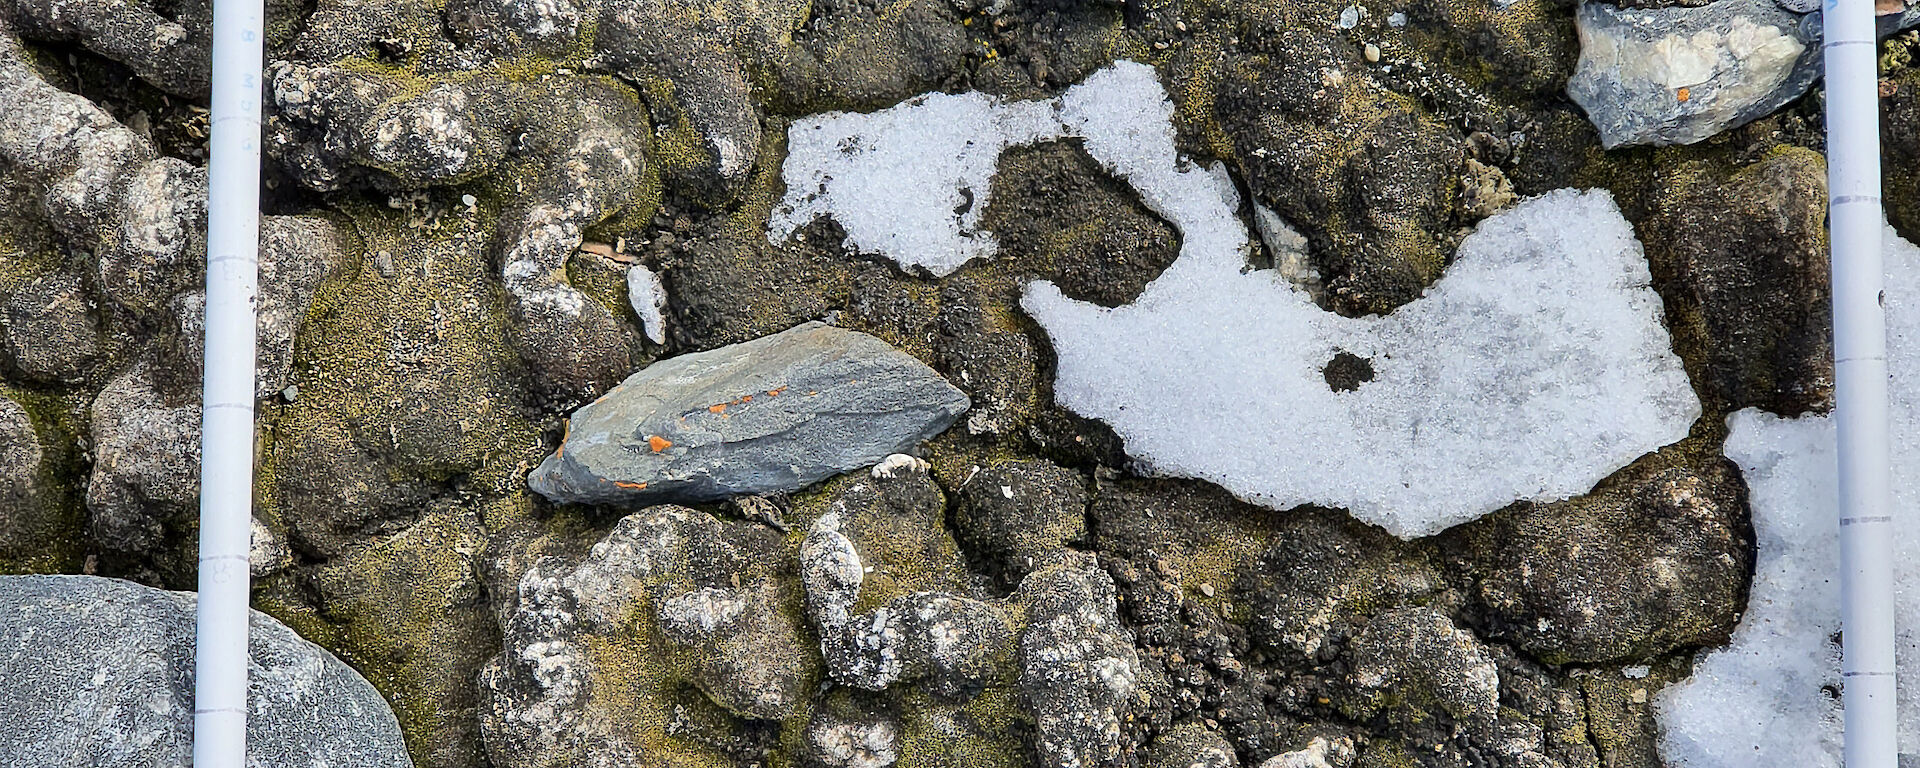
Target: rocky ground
[[931, 562]]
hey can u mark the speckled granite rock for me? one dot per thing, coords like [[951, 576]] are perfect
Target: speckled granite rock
[[774, 414], [99, 672]]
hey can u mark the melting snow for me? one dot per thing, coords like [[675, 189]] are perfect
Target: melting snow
[[648, 297], [1762, 700], [1537, 366]]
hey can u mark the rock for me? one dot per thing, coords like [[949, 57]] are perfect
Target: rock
[[40, 531], [951, 643], [1057, 214], [1191, 745], [168, 48], [576, 684], [1484, 190], [1319, 753], [862, 742], [267, 553], [1678, 75], [1655, 562], [103, 668], [1416, 659], [1078, 667], [48, 330], [1743, 258], [1321, 572], [1019, 515], [144, 492], [774, 414], [1305, 125]]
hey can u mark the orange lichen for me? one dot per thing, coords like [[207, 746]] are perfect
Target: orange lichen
[[658, 443], [1683, 93], [630, 486], [716, 408], [775, 392]]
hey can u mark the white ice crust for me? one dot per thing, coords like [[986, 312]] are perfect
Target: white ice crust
[[1536, 367]]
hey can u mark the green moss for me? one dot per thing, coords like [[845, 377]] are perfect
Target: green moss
[[49, 532], [984, 732]]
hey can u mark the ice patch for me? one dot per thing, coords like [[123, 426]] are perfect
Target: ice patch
[[1770, 696], [648, 297], [1536, 367], [909, 181]]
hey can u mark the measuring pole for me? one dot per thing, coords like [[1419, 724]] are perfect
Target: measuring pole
[[1860, 383], [226, 395]]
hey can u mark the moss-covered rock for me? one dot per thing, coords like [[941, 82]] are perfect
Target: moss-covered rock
[[41, 521], [1741, 255]]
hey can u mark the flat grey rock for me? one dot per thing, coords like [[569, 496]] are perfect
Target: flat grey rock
[[774, 414], [98, 673], [1679, 75]]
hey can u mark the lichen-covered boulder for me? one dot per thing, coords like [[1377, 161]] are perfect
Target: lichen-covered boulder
[[673, 616], [99, 672], [775, 414], [1191, 745], [1303, 123], [1417, 661], [1659, 560], [1321, 571], [48, 330], [145, 483], [1078, 666]]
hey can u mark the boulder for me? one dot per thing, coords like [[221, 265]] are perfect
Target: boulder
[[1679, 75], [774, 414], [99, 672]]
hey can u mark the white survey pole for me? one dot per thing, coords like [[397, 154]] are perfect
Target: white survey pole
[[1860, 384], [226, 395]]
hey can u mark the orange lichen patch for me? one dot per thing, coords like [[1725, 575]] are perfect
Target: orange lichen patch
[[743, 399], [658, 443], [566, 430], [1683, 93], [630, 486], [775, 392]]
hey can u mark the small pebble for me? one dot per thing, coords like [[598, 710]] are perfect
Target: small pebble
[[291, 393], [1350, 17], [1396, 19], [1206, 589], [1372, 52], [469, 201]]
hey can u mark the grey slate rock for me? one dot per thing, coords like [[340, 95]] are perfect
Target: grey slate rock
[[774, 414], [99, 672], [1679, 75]]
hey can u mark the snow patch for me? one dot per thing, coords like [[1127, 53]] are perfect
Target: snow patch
[[1764, 699], [648, 297], [910, 181], [1536, 367]]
